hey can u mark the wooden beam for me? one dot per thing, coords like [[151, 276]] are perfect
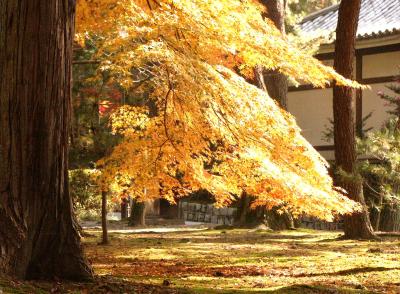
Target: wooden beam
[[306, 88], [325, 56], [366, 81], [324, 147], [363, 51], [378, 50], [378, 80]]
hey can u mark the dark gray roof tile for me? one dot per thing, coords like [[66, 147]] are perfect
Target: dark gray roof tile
[[377, 18]]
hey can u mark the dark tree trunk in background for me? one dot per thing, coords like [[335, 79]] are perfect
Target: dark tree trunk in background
[[124, 208], [357, 225], [138, 214], [275, 83], [246, 216], [378, 213], [276, 13], [104, 228], [279, 220], [390, 218], [38, 236]]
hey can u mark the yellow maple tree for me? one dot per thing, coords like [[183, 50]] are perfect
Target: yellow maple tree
[[213, 129]]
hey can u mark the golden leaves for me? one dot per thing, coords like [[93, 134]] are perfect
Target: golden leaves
[[213, 130], [129, 119]]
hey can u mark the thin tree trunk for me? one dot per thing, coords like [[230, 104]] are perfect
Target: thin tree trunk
[[104, 228], [357, 225], [38, 236]]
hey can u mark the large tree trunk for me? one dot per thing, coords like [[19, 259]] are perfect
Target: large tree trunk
[[357, 225], [38, 238]]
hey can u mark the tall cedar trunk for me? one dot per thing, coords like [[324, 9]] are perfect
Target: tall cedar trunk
[[104, 218], [38, 237], [357, 225]]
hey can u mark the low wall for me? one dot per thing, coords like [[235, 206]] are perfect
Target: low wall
[[206, 213]]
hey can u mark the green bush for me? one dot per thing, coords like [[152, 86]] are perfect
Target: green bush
[[85, 194], [381, 172]]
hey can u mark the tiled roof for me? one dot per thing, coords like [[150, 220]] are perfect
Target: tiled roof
[[377, 18]]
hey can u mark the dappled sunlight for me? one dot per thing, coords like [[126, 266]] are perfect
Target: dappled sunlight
[[173, 146], [249, 260]]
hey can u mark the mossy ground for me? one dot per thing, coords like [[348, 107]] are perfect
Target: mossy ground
[[233, 261]]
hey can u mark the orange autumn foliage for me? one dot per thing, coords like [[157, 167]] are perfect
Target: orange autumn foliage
[[213, 130]]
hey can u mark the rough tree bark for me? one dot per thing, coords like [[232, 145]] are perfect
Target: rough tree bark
[[38, 237], [357, 225]]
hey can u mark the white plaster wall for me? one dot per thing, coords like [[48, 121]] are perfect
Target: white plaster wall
[[328, 154], [373, 103], [328, 62], [380, 65], [312, 109]]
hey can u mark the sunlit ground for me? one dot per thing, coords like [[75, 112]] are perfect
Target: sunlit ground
[[242, 261], [248, 260]]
